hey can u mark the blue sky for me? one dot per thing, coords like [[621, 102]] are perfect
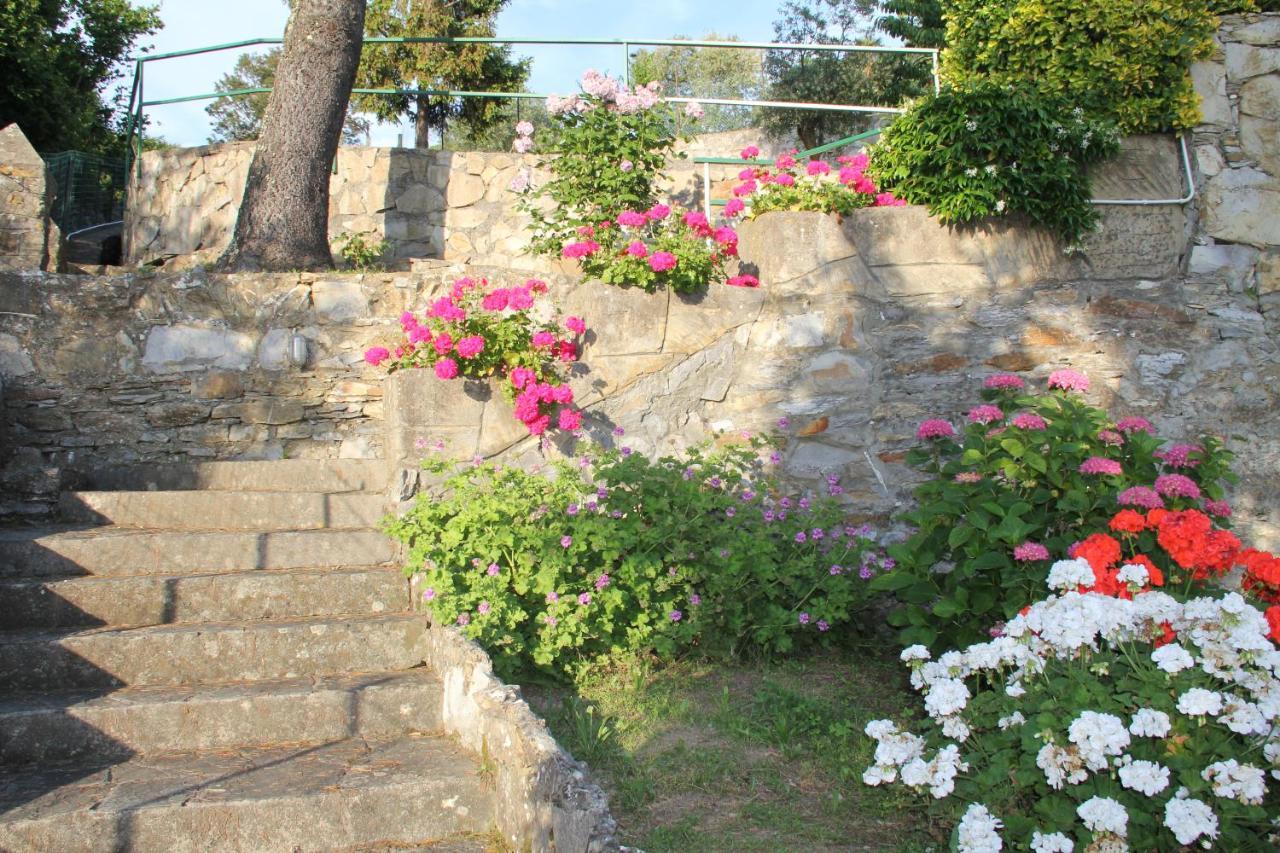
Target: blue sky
[[197, 23]]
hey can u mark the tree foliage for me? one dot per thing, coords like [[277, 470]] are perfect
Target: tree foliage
[[917, 22], [854, 77], [59, 58], [239, 118], [472, 67], [700, 72]]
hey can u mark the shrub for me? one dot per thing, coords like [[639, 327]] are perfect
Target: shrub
[[994, 150], [359, 255], [815, 185], [1024, 478], [615, 553], [1122, 61], [657, 248], [480, 332], [1096, 721], [612, 145]]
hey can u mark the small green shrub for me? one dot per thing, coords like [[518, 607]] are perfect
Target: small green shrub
[[994, 150], [1020, 482], [614, 553], [362, 256], [1120, 60]]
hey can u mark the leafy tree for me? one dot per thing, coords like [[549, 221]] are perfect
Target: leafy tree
[[283, 221], [238, 118], [854, 77], [500, 135], [470, 67], [59, 56], [700, 72], [917, 22]]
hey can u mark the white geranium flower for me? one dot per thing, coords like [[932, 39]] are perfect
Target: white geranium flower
[[1189, 819], [1054, 842], [1133, 575], [879, 729], [1103, 814], [956, 728], [1014, 719], [1069, 574], [1244, 718], [1146, 777], [1172, 658], [1148, 722], [1098, 736], [916, 652], [1061, 766], [1015, 689], [1235, 781], [1198, 702], [897, 749], [979, 831], [876, 775], [946, 696]]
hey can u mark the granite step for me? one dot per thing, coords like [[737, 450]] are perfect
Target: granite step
[[92, 728], [404, 791], [116, 551], [281, 475], [140, 600], [212, 510], [210, 653]]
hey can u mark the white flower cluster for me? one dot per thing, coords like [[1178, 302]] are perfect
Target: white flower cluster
[[1222, 638], [979, 831]]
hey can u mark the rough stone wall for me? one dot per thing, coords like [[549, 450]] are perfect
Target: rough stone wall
[[426, 204], [28, 238], [171, 367], [1237, 156], [866, 326]]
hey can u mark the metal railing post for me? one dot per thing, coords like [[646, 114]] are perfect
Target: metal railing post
[[706, 190], [626, 63]]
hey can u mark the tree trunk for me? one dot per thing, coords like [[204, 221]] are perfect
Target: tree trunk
[[283, 222], [422, 123]]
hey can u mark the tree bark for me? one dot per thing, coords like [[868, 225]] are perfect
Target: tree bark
[[283, 222], [422, 123]]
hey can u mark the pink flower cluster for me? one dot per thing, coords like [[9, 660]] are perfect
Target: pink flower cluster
[[935, 428], [758, 179], [1179, 455], [1028, 420], [536, 400], [1143, 496], [604, 91], [1029, 552], [1069, 380], [985, 414], [1177, 486], [1127, 425], [1100, 465], [1004, 382], [523, 142]]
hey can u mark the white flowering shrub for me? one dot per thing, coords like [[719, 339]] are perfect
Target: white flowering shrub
[[1099, 723]]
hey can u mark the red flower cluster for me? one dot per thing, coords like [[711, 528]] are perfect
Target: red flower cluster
[[1105, 556], [1262, 576], [1191, 541]]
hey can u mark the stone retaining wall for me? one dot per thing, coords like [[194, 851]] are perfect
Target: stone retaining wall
[[29, 240], [1237, 156]]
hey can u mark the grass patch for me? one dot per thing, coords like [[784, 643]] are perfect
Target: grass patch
[[699, 755]]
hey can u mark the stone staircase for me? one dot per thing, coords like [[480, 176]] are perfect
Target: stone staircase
[[222, 657]]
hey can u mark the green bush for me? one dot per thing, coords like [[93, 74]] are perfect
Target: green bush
[[614, 553], [1119, 60], [362, 256], [1014, 478], [995, 150]]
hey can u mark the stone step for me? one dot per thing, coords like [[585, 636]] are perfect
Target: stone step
[[225, 510], [210, 653], [85, 727], [163, 599], [113, 551], [282, 475], [351, 792]]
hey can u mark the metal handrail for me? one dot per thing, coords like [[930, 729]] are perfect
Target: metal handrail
[[135, 120]]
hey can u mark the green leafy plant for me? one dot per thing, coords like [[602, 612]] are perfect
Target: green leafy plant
[[1025, 477], [995, 150], [359, 255], [616, 553], [612, 144], [1121, 61]]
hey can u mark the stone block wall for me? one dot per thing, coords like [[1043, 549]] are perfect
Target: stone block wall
[[29, 240], [456, 206], [1237, 156]]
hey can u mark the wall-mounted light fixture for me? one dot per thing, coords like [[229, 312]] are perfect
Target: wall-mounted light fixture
[[297, 350]]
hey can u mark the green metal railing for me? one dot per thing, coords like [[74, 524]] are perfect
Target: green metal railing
[[138, 102]]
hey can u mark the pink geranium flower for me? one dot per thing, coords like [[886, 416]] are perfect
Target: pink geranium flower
[[575, 325], [733, 207], [631, 219], [580, 249], [470, 347], [446, 368], [744, 280], [817, 167], [637, 249], [376, 355], [662, 261], [749, 152]]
